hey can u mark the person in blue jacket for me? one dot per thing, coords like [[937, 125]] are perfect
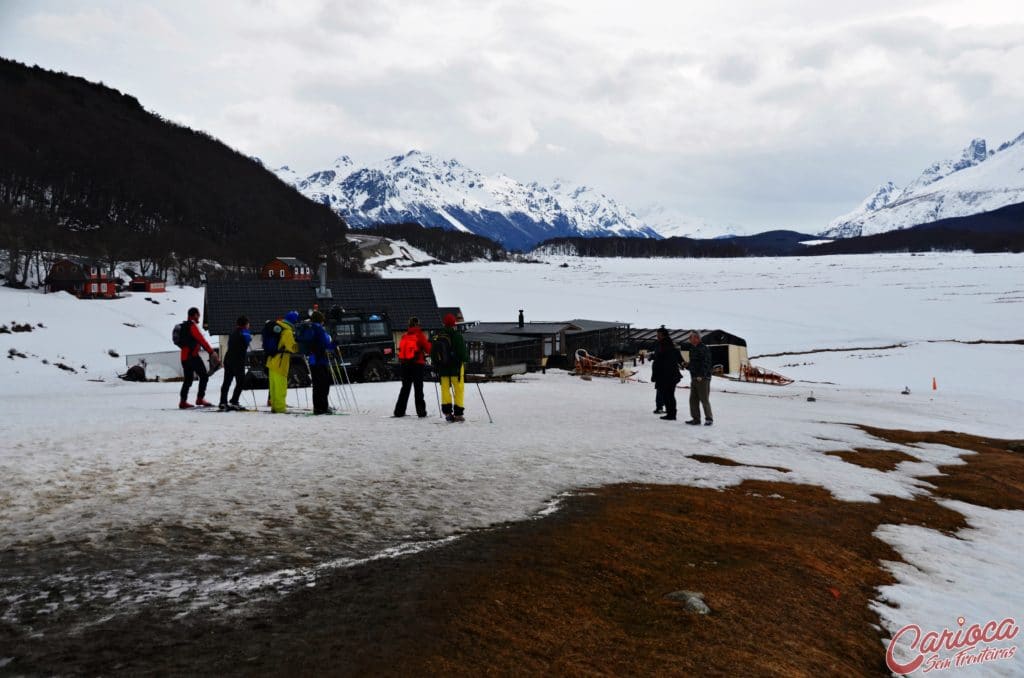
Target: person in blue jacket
[[318, 351], [234, 364]]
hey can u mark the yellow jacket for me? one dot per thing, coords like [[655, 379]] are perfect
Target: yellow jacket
[[281, 361]]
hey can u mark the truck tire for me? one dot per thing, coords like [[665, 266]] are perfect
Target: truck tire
[[373, 370]]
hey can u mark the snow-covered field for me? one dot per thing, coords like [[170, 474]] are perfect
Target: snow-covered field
[[112, 498]]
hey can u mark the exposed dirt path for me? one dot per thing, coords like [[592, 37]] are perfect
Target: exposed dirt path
[[787, 570]]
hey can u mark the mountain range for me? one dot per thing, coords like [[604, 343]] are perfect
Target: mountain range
[[433, 192], [420, 188], [979, 180]]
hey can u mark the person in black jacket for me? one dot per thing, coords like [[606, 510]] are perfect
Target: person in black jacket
[[700, 381], [234, 364], [665, 371]]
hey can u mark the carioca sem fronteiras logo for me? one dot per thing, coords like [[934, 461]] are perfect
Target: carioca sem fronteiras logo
[[946, 649]]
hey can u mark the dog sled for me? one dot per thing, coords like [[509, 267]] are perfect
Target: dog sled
[[762, 375], [588, 366]]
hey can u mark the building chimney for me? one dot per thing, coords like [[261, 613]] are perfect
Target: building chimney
[[322, 292], [521, 320]]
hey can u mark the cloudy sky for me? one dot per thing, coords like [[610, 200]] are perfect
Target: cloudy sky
[[762, 113]]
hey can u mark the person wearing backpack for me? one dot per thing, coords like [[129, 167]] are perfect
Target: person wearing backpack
[[234, 364], [413, 349], [190, 338], [279, 350], [449, 357], [316, 344]]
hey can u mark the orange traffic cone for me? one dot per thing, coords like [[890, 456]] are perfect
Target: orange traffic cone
[[935, 386]]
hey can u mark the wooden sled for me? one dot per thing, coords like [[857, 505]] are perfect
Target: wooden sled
[[761, 375], [592, 366]]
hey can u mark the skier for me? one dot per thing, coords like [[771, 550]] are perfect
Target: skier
[[191, 363], [317, 351], [449, 357], [413, 349], [234, 364], [280, 361], [665, 371], [700, 381]]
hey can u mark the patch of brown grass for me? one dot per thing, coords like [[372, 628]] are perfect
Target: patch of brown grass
[[722, 461], [881, 460], [993, 478]]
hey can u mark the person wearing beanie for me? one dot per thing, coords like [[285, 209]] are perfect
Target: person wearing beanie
[[317, 352], [234, 364], [413, 350], [449, 357], [280, 362]]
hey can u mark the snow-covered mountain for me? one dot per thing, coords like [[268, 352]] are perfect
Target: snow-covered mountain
[[418, 187], [978, 180], [671, 223]]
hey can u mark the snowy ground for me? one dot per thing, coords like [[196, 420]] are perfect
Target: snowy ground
[[112, 498]]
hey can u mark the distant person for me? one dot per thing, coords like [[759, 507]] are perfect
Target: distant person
[[318, 350], [449, 357], [192, 364], [700, 381], [665, 371], [279, 360], [413, 349], [234, 364]]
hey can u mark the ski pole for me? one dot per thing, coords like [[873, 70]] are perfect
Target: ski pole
[[348, 379], [480, 391], [437, 395], [339, 390]]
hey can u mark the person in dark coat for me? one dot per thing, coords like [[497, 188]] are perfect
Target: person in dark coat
[[192, 365], [318, 352], [665, 371], [700, 381], [413, 349], [234, 364]]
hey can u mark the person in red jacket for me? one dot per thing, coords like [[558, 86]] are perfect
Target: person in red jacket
[[413, 350], [192, 364]]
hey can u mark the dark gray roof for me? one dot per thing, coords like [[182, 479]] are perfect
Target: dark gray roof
[[493, 338], [710, 337], [530, 329], [292, 261], [591, 325], [263, 300]]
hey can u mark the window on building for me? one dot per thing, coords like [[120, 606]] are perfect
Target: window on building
[[282, 273], [94, 288], [103, 288]]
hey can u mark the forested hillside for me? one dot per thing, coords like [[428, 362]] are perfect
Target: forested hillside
[[771, 243], [86, 169]]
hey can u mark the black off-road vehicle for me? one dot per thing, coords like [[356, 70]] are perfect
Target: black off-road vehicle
[[364, 339], [366, 342]]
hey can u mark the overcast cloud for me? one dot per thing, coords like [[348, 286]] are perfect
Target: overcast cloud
[[765, 113]]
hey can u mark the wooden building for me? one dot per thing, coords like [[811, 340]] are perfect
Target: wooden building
[[84, 278], [728, 351], [141, 283], [555, 342], [286, 268]]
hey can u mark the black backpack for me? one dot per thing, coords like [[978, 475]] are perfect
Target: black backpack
[[442, 352], [181, 335], [270, 335]]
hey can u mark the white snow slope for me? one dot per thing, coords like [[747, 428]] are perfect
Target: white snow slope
[[122, 501], [979, 180]]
